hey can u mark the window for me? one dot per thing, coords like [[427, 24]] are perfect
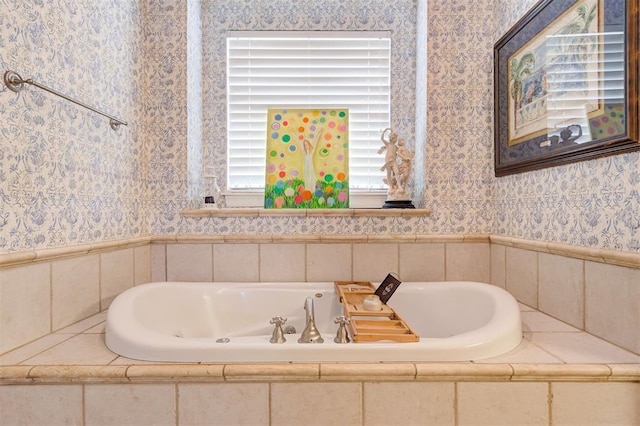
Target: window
[[306, 70]]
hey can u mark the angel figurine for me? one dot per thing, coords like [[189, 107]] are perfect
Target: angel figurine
[[398, 164]]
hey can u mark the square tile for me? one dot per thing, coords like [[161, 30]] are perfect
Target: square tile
[[75, 290], [582, 348], [561, 288], [535, 321], [498, 265], [468, 262], [373, 261], [41, 405], [282, 262], [32, 349], [613, 303], [499, 403], [85, 324], [25, 305], [525, 353], [525, 308], [409, 403], [141, 264], [595, 404], [521, 279], [158, 262], [116, 274], [316, 404], [421, 262], [329, 262], [83, 349], [141, 404], [236, 262], [223, 404], [190, 262], [98, 329]]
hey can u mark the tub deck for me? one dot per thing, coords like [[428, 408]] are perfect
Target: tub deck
[[550, 350]]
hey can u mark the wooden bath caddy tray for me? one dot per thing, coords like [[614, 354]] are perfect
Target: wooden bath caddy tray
[[371, 326]]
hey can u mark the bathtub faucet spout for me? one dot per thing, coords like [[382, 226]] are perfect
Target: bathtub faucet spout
[[310, 334]]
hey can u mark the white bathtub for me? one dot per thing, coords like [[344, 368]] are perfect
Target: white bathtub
[[183, 322]]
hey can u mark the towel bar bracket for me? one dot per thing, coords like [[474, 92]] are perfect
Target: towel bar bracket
[[13, 81]]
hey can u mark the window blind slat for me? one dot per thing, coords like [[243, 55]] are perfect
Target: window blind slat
[[306, 70]]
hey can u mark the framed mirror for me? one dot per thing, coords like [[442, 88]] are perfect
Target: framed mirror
[[566, 84]]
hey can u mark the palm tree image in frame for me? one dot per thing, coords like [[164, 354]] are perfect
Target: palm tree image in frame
[[307, 158], [566, 85], [551, 70]]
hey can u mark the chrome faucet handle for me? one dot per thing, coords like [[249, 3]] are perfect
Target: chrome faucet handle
[[278, 334], [341, 335], [278, 320], [342, 320]]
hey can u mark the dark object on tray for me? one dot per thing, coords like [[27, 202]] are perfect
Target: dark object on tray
[[387, 287]]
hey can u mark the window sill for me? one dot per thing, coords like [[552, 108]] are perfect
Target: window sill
[[259, 212]]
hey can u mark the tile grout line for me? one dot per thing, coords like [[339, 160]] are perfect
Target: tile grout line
[[269, 403], [538, 280], [177, 403], [84, 403], [550, 403], [50, 264], [455, 403], [362, 413], [584, 295]]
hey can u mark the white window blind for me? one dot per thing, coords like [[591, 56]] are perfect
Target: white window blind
[[306, 70]]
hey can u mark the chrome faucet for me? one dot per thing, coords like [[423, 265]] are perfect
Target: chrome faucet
[[310, 334]]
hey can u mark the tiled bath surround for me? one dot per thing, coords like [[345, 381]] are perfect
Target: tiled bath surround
[[39, 294], [559, 375], [40, 297]]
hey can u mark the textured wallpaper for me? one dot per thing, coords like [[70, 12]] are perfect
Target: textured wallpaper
[[459, 149], [593, 203], [66, 178], [219, 17]]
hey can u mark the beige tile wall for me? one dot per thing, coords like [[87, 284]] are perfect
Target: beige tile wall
[[223, 404], [498, 265], [236, 262], [467, 262], [503, 403], [25, 305], [75, 289], [322, 403], [612, 303], [422, 262], [521, 275], [41, 405], [139, 404], [325, 262], [321, 261], [595, 403], [561, 279], [597, 297], [603, 299], [189, 262], [38, 298]]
